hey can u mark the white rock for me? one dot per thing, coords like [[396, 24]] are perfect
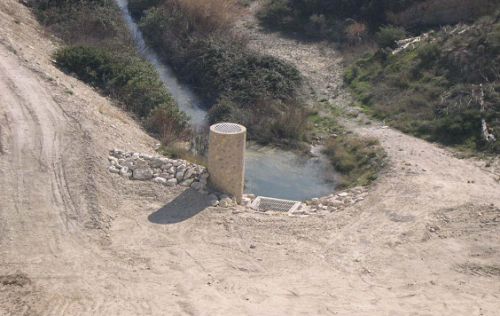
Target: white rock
[[315, 201], [117, 151], [343, 194], [166, 166], [113, 169], [176, 163], [171, 170], [129, 163], [226, 202], [189, 173], [187, 182], [246, 201], [171, 182], [125, 172], [179, 175], [139, 164], [156, 162], [166, 175], [181, 168], [160, 180], [142, 174]]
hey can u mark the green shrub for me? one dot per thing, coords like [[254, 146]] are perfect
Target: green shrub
[[127, 78], [102, 55], [387, 36], [222, 111], [137, 7], [326, 19], [94, 22], [428, 53], [277, 13], [290, 124], [432, 91], [241, 85]]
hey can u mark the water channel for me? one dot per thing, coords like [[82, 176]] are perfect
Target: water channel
[[269, 171]]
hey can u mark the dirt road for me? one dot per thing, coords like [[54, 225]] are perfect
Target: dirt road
[[76, 240]]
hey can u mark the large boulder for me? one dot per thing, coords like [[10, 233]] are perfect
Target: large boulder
[[179, 175]]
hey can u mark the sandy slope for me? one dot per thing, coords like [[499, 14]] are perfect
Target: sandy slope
[[75, 239]]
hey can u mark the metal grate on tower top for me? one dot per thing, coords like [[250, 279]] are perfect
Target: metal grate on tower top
[[228, 128]]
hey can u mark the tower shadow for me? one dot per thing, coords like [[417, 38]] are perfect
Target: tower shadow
[[186, 205]]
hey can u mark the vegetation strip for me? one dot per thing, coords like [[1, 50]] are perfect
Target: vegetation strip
[[243, 86], [444, 87], [101, 53]]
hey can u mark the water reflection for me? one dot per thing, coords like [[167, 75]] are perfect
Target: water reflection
[[287, 175]]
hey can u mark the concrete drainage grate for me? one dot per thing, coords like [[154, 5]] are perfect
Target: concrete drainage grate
[[262, 203]]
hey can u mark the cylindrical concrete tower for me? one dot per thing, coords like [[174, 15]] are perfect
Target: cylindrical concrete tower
[[226, 158]]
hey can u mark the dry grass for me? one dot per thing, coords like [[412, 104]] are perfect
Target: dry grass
[[359, 160], [355, 33], [209, 16]]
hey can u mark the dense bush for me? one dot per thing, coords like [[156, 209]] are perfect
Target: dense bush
[[387, 36], [101, 53], [434, 90], [92, 22], [137, 7], [241, 85], [332, 19], [327, 18], [127, 78]]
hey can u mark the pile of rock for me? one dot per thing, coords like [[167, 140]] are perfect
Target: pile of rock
[[162, 170], [335, 202]]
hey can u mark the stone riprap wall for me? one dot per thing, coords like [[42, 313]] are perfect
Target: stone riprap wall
[[162, 170], [335, 202], [165, 171]]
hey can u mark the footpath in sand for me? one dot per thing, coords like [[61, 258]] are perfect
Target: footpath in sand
[[76, 240]]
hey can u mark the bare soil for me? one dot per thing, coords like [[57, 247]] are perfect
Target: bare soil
[[76, 240]]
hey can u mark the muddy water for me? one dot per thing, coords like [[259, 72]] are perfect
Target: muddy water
[[286, 175], [269, 172]]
